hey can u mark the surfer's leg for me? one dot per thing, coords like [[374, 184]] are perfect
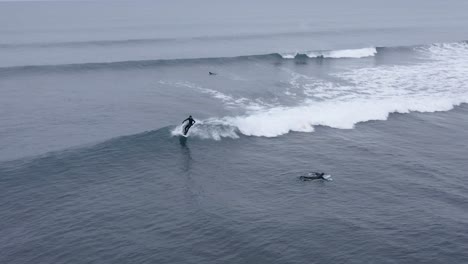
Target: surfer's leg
[[186, 129]]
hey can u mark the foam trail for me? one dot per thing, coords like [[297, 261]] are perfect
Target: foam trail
[[228, 100]]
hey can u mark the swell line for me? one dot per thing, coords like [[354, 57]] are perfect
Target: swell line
[[75, 44], [336, 54], [356, 53]]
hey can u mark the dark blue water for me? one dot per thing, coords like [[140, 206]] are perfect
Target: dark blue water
[[93, 168], [398, 196]]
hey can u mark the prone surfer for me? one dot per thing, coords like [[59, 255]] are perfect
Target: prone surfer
[[189, 124], [313, 176], [211, 73]]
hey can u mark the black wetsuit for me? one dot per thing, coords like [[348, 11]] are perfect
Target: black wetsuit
[[189, 124]]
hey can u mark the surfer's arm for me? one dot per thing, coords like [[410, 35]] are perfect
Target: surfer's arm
[[184, 120]]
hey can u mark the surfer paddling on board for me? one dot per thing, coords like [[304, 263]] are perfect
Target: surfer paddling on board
[[315, 176], [190, 121]]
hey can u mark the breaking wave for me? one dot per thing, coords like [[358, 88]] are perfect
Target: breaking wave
[[334, 54], [364, 94], [345, 115]]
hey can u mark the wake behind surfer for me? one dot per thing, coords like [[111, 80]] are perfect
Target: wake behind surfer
[[190, 121]]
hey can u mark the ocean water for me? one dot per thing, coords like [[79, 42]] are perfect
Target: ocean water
[[93, 168]]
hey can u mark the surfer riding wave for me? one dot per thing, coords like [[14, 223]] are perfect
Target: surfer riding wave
[[190, 121]]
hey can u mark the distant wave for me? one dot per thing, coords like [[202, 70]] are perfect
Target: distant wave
[[334, 54], [143, 41], [331, 54], [274, 57], [74, 44]]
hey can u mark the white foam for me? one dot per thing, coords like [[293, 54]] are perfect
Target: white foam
[[352, 53], [334, 54], [343, 115], [228, 100], [310, 87], [288, 55]]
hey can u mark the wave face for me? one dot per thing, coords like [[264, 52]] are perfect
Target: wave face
[[369, 93]]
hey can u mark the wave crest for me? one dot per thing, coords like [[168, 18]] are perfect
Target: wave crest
[[341, 115], [334, 54]]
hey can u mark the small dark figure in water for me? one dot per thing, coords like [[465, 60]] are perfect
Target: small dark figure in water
[[211, 73], [313, 176], [189, 124]]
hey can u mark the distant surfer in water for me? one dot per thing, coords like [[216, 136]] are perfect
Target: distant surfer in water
[[190, 122], [314, 176], [211, 73]]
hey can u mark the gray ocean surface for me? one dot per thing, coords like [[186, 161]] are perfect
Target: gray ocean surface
[[93, 168]]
